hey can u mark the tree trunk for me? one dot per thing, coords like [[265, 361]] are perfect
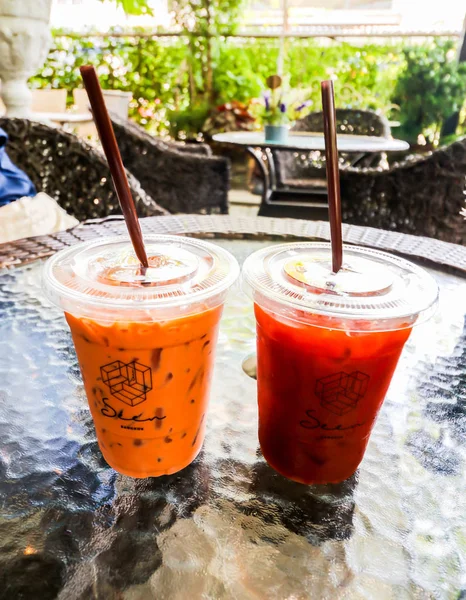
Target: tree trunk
[[462, 44], [209, 70], [192, 84], [209, 87], [283, 41], [451, 123]]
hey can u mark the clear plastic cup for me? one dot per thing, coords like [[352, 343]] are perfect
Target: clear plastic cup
[[327, 347], [145, 342]]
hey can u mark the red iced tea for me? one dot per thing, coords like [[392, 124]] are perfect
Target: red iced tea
[[327, 347], [319, 392]]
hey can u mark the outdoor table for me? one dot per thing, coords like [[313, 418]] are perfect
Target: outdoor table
[[313, 141], [229, 526], [63, 118], [278, 201]]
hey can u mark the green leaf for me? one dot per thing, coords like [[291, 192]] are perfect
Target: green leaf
[[134, 7]]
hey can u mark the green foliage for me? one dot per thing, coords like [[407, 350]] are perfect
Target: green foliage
[[207, 17], [363, 76], [168, 77], [235, 74], [430, 88], [153, 70], [134, 7], [204, 21], [187, 123]]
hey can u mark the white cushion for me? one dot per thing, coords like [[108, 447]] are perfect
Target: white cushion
[[29, 217]]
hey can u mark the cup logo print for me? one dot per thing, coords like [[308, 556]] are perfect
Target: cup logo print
[[341, 392], [129, 382]]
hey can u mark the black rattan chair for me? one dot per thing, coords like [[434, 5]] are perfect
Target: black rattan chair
[[349, 120], [181, 178], [299, 170], [422, 195], [69, 170]]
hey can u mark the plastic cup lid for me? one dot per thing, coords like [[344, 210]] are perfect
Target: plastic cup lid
[[105, 275], [371, 284]]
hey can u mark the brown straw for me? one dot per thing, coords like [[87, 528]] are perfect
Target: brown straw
[[109, 144], [333, 179]]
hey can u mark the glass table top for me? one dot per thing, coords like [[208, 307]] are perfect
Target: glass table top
[[314, 141], [227, 526]]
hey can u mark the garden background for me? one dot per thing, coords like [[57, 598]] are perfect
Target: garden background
[[177, 81]]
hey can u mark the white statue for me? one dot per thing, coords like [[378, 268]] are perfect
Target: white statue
[[24, 43]]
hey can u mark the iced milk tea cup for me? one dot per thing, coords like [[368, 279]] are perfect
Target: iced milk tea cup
[[145, 343], [327, 347]]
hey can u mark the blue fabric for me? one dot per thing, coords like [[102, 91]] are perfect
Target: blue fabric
[[14, 183]]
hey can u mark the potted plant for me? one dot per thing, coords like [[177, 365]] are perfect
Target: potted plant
[[280, 109], [274, 114], [231, 116], [186, 124]]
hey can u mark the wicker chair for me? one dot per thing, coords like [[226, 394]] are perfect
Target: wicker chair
[[69, 170], [349, 120], [181, 178], [301, 169], [422, 195]]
